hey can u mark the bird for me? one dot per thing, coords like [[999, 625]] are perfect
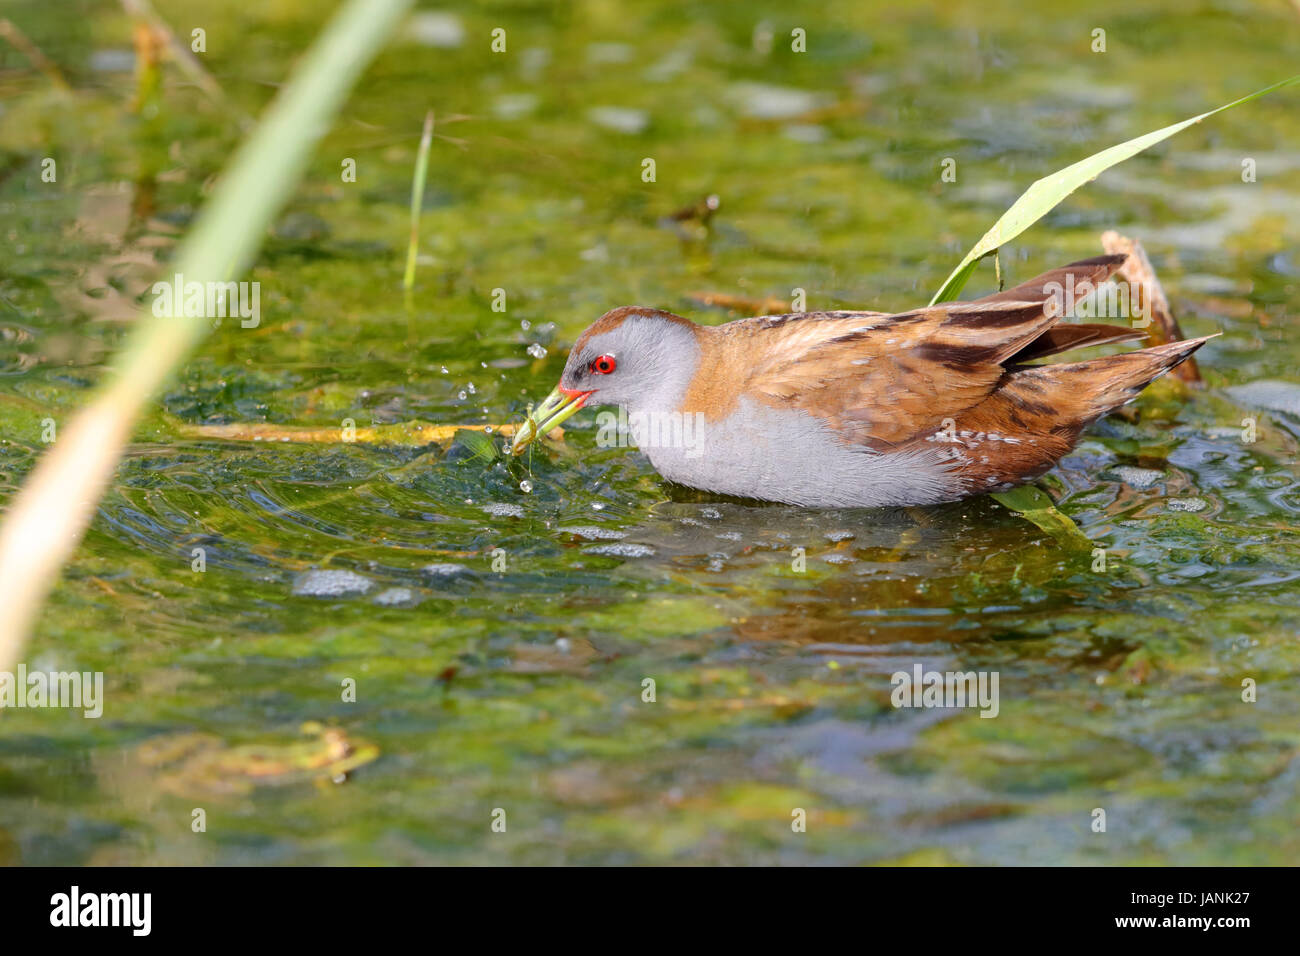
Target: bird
[[855, 408]]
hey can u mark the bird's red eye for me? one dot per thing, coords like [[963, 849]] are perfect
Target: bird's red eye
[[604, 365]]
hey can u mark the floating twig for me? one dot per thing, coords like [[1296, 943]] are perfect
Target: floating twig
[[413, 434], [738, 303]]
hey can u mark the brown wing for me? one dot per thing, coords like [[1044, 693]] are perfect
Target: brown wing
[[881, 381], [1040, 287]]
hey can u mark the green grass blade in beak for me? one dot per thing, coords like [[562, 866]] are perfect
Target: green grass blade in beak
[[557, 408]]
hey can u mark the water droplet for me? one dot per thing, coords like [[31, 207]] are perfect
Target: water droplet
[[461, 395], [444, 370], [525, 325], [536, 350], [597, 506], [526, 486]]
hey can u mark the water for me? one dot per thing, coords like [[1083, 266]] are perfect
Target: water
[[498, 622]]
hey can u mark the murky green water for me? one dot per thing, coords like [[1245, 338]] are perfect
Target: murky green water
[[522, 689]]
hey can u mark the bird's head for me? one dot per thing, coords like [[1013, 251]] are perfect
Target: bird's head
[[636, 358]]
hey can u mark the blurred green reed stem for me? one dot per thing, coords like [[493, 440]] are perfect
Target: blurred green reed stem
[[417, 202], [49, 514]]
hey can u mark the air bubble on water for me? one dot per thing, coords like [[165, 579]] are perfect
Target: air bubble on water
[[461, 395], [444, 370], [536, 350], [597, 506], [487, 429], [471, 389], [525, 324], [526, 486]]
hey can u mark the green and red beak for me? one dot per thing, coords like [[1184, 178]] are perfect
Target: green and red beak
[[558, 407]]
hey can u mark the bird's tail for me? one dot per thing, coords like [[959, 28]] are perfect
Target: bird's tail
[[1082, 392]]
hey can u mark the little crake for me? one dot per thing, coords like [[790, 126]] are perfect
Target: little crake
[[835, 409]]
